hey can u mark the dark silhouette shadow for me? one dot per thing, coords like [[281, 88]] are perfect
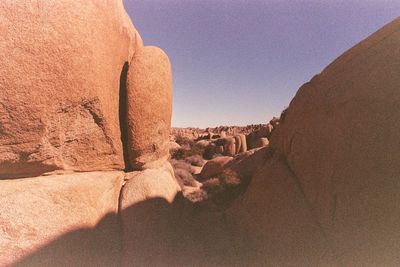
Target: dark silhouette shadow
[[150, 233], [100, 246], [34, 169], [156, 233]]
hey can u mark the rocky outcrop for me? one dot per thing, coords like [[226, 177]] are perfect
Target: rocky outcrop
[[340, 139], [149, 108], [60, 85], [78, 92], [325, 190], [36, 211]]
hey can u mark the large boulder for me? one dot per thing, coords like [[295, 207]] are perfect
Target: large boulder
[[241, 143], [340, 137], [149, 108], [51, 217], [60, 85]]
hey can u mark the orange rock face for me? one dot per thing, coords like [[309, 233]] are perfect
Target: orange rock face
[[340, 137], [35, 211], [60, 83], [149, 108]]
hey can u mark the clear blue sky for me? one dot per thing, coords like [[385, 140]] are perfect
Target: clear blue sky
[[238, 62]]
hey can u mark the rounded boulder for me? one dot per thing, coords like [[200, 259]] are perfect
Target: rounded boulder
[[149, 108]]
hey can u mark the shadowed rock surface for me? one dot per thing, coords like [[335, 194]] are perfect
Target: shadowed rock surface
[[340, 138], [35, 211]]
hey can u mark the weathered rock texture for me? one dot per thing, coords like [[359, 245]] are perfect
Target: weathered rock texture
[[144, 201], [35, 211], [340, 137], [325, 191], [149, 108], [60, 83]]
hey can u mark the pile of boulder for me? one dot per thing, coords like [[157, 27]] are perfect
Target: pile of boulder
[[227, 145]]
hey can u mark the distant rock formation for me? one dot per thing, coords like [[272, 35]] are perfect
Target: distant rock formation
[[212, 133], [228, 140]]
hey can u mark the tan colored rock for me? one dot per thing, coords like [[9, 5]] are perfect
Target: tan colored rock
[[214, 167], [243, 140], [60, 85], [150, 183], [277, 223], [229, 146], [341, 140], [149, 110], [145, 201], [241, 143], [238, 144], [40, 210]]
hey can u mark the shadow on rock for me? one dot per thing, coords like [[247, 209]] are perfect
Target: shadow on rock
[[150, 233], [100, 246]]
